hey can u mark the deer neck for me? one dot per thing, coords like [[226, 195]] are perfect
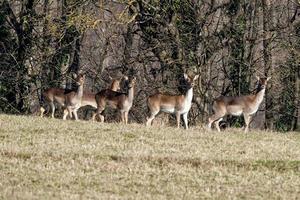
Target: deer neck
[[259, 96], [189, 95], [79, 92], [114, 86], [131, 94]]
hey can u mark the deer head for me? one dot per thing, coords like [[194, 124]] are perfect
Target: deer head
[[131, 82], [262, 82], [79, 79], [190, 81]]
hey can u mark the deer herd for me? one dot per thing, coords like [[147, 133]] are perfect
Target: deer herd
[[72, 100]]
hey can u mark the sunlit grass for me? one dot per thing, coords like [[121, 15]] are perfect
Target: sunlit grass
[[53, 159]]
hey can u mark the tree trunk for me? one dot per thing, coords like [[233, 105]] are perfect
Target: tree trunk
[[267, 59], [296, 125]]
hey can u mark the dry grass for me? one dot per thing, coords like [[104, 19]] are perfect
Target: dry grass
[[54, 159]]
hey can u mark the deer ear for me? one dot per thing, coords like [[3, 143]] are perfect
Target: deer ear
[[186, 77], [125, 77], [74, 76], [196, 77], [268, 78]]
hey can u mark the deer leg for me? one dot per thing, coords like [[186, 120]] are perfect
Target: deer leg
[[42, 111], [122, 117], [100, 108], [99, 113], [217, 116], [247, 121], [52, 109], [75, 114], [150, 119], [66, 112], [126, 117], [217, 124], [211, 120], [185, 119], [101, 118], [70, 112], [178, 119], [94, 116]]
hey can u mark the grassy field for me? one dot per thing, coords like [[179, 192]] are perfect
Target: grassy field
[[54, 159]]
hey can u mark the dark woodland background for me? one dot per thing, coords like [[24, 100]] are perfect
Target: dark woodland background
[[227, 42]]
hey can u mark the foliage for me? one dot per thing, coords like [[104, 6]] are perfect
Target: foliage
[[227, 42]]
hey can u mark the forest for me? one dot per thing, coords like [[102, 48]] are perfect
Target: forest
[[226, 42]]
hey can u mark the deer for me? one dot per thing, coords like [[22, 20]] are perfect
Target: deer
[[88, 98], [246, 105], [117, 100], [174, 104], [70, 99]]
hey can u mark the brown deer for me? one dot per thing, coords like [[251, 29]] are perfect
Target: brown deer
[[71, 99], [88, 98], [177, 104], [241, 105], [118, 100]]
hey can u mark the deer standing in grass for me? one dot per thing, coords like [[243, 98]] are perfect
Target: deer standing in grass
[[118, 100], [56, 95], [177, 104], [70, 99], [240, 105], [89, 99]]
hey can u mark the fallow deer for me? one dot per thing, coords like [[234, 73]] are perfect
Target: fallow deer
[[241, 105], [71, 99], [118, 100], [177, 104], [88, 98]]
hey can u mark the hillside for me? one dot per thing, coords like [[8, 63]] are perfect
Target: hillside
[[55, 159]]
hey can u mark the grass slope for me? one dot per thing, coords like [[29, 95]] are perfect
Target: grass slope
[[54, 159]]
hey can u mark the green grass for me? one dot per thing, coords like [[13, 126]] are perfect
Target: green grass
[[55, 159]]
